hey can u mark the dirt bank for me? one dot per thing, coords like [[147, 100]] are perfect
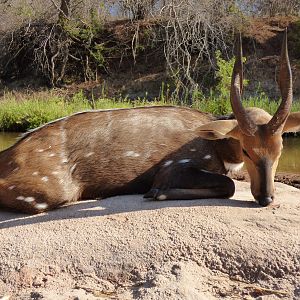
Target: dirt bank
[[292, 179], [130, 248]]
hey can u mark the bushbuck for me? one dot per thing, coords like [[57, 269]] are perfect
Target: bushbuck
[[165, 152]]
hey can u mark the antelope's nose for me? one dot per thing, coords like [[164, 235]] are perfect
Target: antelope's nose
[[265, 201]]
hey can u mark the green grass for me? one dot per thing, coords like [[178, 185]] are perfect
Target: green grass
[[21, 113], [219, 106]]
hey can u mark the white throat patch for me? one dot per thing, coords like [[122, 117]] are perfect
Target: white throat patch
[[233, 167]]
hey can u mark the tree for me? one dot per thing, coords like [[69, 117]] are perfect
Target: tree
[[194, 30], [138, 9], [64, 11], [269, 7]]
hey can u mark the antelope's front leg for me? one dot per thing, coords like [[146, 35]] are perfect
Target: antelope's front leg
[[187, 181]]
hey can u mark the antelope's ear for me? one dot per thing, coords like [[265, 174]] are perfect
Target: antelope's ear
[[292, 123], [217, 130]]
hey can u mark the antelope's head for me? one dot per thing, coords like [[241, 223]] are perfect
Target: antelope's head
[[259, 134]]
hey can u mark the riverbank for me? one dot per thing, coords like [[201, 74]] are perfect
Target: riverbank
[[20, 112], [292, 179], [131, 248]]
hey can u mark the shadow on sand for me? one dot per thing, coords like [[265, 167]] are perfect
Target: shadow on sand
[[113, 205]]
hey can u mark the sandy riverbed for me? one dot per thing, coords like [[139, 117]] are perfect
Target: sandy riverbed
[[130, 248]]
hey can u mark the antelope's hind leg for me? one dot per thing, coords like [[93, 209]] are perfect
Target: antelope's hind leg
[[187, 181]]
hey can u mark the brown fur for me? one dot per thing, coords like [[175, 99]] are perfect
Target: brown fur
[[103, 153], [159, 150]]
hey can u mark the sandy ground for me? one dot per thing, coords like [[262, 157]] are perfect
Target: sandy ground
[[130, 248]]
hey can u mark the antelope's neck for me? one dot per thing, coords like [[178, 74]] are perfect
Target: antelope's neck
[[230, 152]]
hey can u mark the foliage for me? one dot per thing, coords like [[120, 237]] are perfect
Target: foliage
[[294, 39], [218, 100], [35, 110], [138, 9], [90, 42], [223, 74], [274, 7], [31, 112]]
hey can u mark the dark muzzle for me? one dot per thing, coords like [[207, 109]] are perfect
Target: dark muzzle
[[265, 201]]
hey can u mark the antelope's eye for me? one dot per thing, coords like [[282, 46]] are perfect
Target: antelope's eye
[[246, 153]]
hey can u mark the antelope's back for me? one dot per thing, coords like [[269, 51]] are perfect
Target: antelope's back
[[102, 152], [122, 149]]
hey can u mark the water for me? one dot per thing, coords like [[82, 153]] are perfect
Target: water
[[7, 139], [289, 161], [290, 157]]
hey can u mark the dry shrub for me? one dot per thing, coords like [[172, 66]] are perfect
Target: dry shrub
[[194, 30], [271, 8], [38, 48], [190, 31]]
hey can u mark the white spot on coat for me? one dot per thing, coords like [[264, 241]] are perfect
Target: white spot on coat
[[233, 167], [168, 163], [11, 187], [193, 149], [41, 206], [89, 154], [29, 199], [162, 197], [51, 155], [55, 172], [73, 168], [131, 154], [40, 150], [20, 198], [207, 156], [64, 161], [184, 161], [256, 150], [45, 179], [35, 173], [206, 171]]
